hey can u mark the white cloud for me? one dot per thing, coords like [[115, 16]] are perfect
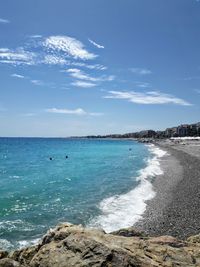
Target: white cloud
[[53, 50], [95, 44], [16, 57], [78, 111], [89, 66], [83, 84], [79, 74], [54, 60], [4, 50], [69, 46], [96, 114], [36, 36], [5, 21], [17, 76], [143, 84], [147, 98], [109, 78], [141, 71]]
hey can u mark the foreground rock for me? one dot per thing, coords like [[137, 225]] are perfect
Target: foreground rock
[[69, 245]]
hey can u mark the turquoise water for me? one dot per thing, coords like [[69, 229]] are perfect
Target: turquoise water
[[37, 193]]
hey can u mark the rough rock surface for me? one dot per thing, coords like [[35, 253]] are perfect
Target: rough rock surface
[[70, 245]]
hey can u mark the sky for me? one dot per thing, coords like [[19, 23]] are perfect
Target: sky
[[74, 67]]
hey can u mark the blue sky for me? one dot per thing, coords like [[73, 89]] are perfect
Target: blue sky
[[96, 66]]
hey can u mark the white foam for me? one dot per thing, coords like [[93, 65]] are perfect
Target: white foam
[[5, 244], [14, 176], [27, 243], [16, 224], [121, 211]]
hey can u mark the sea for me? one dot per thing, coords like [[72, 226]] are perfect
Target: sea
[[94, 182]]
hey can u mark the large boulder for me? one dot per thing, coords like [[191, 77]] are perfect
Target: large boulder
[[75, 246], [6, 262]]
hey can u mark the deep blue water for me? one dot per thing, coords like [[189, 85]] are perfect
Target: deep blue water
[[37, 193]]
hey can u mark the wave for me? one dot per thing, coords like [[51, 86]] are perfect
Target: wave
[[5, 244], [16, 225], [27, 243], [8, 245], [11, 227], [124, 210]]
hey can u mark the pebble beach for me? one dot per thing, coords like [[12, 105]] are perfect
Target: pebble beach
[[175, 210]]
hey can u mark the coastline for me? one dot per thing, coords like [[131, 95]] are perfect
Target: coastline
[[175, 208], [124, 210]]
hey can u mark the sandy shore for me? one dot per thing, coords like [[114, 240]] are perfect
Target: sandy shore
[[175, 210]]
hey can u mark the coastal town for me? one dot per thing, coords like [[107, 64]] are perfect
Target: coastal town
[[183, 130]]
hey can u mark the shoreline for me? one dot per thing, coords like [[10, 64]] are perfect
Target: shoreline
[[123, 210], [175, 208]]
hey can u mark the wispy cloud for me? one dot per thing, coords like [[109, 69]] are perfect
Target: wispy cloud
[[57, 51], [33, 81], [83, 84], [197, 91], [78, 111], [141, 71], [5, 21], [88, 66], [52, 50], [68, 45], [54, 60], [143, 84], [95, 44], [79, 74], [36, 36], [151, 97], [16, 57], [15, 75]]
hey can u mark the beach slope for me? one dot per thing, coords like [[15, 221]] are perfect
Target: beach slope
[[175, 210]]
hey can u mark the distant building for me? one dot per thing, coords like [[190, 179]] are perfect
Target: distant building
[[179, 131], [168, 132], [147, 134], [193, 130], [198, 129], [183, 130]]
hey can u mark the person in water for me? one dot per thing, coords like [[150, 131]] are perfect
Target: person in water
[[50, 158]]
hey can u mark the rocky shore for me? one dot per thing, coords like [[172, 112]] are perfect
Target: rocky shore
[[74, 246]]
